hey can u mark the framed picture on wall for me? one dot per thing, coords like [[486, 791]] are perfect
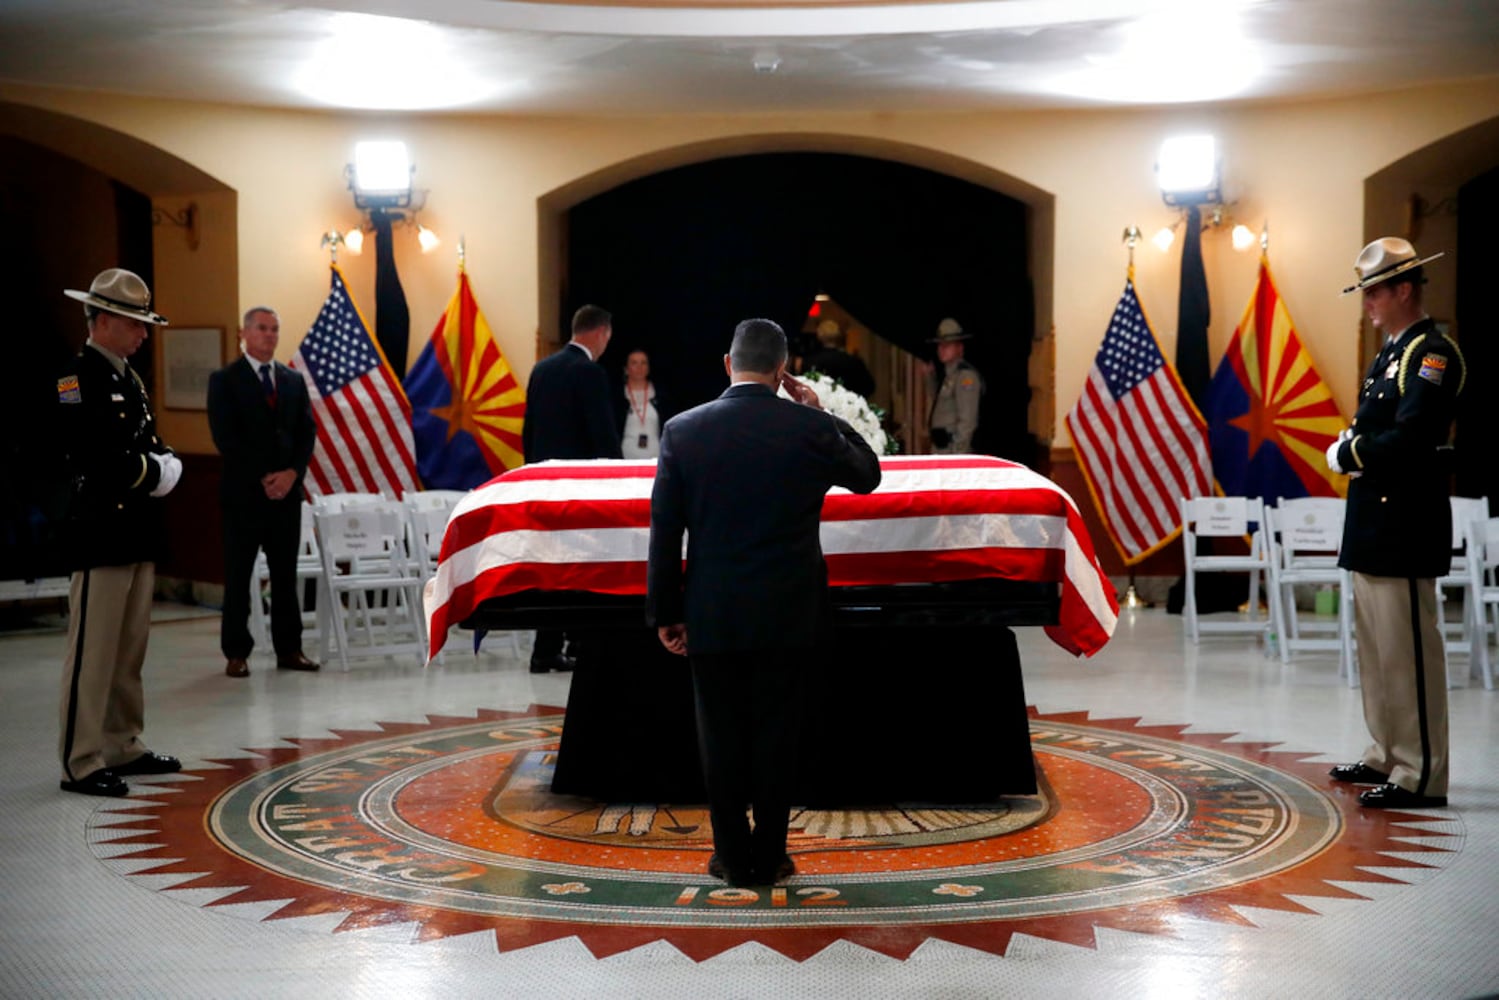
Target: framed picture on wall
[[188, 356]]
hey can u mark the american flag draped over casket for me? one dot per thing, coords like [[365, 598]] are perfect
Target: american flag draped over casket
[[585, 526]]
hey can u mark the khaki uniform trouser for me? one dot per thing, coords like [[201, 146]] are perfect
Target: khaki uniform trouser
[[103, 703], [1402, 664]]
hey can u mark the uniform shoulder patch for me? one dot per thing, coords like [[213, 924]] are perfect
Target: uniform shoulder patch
[[1433, 368], [967, 382], [68, 391]]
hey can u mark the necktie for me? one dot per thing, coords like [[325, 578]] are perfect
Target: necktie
[[270, 386]]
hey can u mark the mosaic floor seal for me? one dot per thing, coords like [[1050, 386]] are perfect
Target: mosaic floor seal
[[452, 825]]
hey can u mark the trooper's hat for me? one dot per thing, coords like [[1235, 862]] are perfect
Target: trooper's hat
[[1383, 259], [121, 292], [948, 331]]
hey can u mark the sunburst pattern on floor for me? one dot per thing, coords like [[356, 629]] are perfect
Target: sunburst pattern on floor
[[451, 825]]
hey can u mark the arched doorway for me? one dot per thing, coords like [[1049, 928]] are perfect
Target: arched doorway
[[683, 244], [75, 198]]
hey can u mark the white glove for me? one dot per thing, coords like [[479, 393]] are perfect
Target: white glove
[[1332, 453], [171, 471]]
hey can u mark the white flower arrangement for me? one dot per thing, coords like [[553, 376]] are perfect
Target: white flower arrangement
[[852, 407]]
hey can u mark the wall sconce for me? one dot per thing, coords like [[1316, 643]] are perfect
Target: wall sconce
[[1216, 218]]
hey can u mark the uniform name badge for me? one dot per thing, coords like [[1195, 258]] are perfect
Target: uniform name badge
[[1394, 367]]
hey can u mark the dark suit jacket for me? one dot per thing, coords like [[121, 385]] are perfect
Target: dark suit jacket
[[1399, 519], [111, 434], [254, 438], [568, 411], [745, 476]]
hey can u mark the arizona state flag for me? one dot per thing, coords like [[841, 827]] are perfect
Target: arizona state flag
[[466, 406], [1270, 415]]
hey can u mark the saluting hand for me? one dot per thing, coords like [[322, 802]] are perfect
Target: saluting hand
[[800, 391]]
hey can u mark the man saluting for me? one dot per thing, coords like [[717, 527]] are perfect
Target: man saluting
[[744, 476]]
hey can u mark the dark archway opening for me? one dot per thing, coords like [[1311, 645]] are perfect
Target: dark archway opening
[[65, 222], [683, 255]]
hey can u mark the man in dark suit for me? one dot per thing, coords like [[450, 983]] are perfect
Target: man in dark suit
[[262, 423], [1397, 531], [744, 476], [116, 530], [569, 415]]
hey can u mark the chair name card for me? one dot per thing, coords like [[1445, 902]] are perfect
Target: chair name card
[[1315, 535], [1223, 517]]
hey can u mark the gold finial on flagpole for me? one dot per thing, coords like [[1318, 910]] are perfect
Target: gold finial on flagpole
[[1131, 237], [1265, 237], [462, 252], [332, 240]]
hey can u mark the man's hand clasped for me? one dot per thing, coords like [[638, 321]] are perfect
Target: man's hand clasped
[[1332, 449], [674, 638], [171, 471], [278, 484]]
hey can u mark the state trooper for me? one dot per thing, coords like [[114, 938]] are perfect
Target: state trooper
[[956, 388], [1397, 531], [121, 470]]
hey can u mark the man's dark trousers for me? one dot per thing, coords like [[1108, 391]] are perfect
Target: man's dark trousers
[[276, 526], [749, 728]]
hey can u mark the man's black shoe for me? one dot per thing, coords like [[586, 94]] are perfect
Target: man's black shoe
[[149, 763], [102, 782], [784, 869], [1358, 774], [559, 662], [721, 871], [1395, 797]]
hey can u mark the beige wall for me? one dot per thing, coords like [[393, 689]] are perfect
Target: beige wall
[[1302, 166]]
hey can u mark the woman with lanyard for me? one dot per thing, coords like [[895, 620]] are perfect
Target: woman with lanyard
[[639, 410]]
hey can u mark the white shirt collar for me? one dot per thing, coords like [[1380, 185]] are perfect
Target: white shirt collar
[[574, 343]]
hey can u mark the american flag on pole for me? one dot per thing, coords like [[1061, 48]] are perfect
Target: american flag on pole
[[1141, 443], [364, 440]]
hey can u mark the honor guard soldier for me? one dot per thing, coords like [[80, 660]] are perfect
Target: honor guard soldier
[[956, 389], [116, 528], [1398, 529]]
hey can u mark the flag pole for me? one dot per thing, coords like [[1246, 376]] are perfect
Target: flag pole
[[462, 252], [1131, 598]]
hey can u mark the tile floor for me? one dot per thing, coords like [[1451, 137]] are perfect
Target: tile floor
[[72, 925]]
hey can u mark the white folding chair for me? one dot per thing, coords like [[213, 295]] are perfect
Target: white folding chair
[[1306, 534], [309, 567], [1483, 588], [374, 605], [341, 501], [1459, 635], [1226, 517]]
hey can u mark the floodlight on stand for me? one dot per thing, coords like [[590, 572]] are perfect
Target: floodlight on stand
[[381, 175], [427, 238], [1187, 170]]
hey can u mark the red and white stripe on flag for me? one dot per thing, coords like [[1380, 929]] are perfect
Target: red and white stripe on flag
[[934, 519], [364, 439], [1139, 440]]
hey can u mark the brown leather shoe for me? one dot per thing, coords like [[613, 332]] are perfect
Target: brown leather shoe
[[297, 661], [237, 668]]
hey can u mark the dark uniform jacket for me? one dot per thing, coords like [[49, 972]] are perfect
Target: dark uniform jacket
[[744, 476], [254, 438], [568, 409], [110, 432], [1399, 518]]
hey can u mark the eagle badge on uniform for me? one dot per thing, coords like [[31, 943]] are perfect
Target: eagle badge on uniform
[[1433, 367], [68, 391]]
